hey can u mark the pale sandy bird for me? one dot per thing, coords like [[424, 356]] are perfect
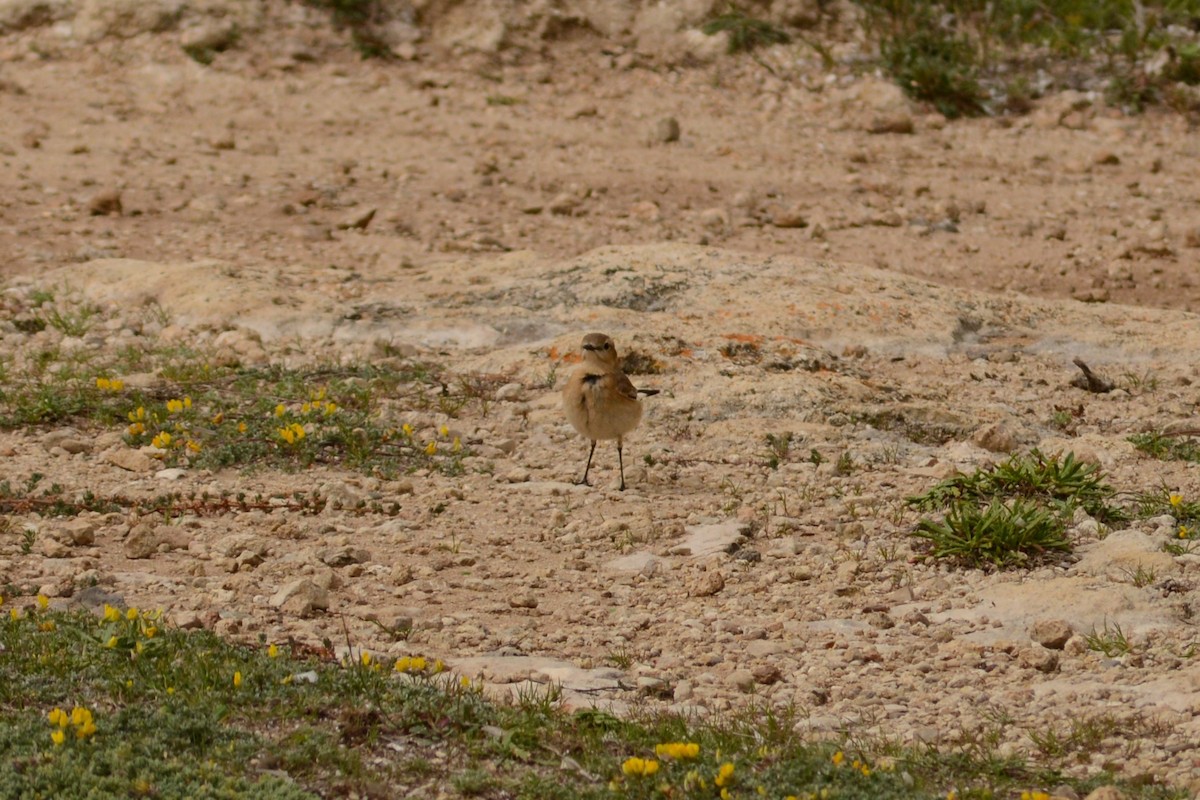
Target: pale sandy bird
[[600, 400]]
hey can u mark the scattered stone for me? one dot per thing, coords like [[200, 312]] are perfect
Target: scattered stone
[[187, 620], [141, 542], [523, 600], [897, 123], [648, 211], [707, 540], [77, 532], [343, 556], [705, 584], [997, 437], [563, 205], [358, 220], [105, 203], [1050, 633], [209, 36], [666, 130], [792, 217], [766, 674], [743, 679], [1039, 658], [132, 460], [1106, 793], [301, 598], [170, 474], [714, 219]]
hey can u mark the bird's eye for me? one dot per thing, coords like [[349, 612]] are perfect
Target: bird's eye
[[607, 346]]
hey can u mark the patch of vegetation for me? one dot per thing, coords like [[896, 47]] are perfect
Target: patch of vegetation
[[1059, 483], [121, 705], [970, 56], [1111, 641], [779, 446], [996, 535], [936, 66], [1165, 447], [1013, 513], [746, 33]]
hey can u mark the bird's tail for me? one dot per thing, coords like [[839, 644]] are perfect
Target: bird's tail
[[649, 392]]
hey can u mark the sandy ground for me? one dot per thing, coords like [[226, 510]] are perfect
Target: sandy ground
[[911, 300]]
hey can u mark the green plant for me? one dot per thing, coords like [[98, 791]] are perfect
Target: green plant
[[936, 66], [1111, 641], [746, 33], [1060, 482], [1166, 447], [778, 447], [998, 535]]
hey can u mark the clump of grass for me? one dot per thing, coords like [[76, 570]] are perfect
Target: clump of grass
[[997, 535], [170, 713], [968, 57], [746, 33], [938, 67], [779, 446], [1062, 483], [1166, 448], [1014, 513], [1111, 641]]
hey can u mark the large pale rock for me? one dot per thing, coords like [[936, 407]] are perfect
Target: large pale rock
[[707, 540], [142, 541], [302, 598], [1050, 633], [132, 460]]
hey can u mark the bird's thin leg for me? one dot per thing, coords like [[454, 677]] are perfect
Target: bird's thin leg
[[586, 469], [621, 461]]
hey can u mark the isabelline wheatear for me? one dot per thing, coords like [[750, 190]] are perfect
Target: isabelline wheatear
[[600, 400]]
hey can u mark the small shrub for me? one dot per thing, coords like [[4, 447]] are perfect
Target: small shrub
[[745, 32], [999, 535]]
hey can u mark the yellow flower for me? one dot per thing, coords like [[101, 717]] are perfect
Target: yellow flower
[[365, 658], [288, 435], [1176, 500], [110, 384], [111, 643], [1035, 796], [137, 415], [14, 613], [403, 663], [162, 441], [170, 690], [306, 408], [1184, 532], [80, 716], [838, 758], [725, 795], [431, 448], [151, 631], [407, 429], [456, 446], [86, 729], [174, 406], [639, 766], [444, 430], [48, 625], [724, 775], [192, 446], [272, 652], [280, 410], [218, 418], [464, 682], [237, 679], [137, 429], [438, 666], [58, 737], [58, 717], [131, 614], [330, 408], [241, 427], [43, 602], [111, 614], [677, 750]]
